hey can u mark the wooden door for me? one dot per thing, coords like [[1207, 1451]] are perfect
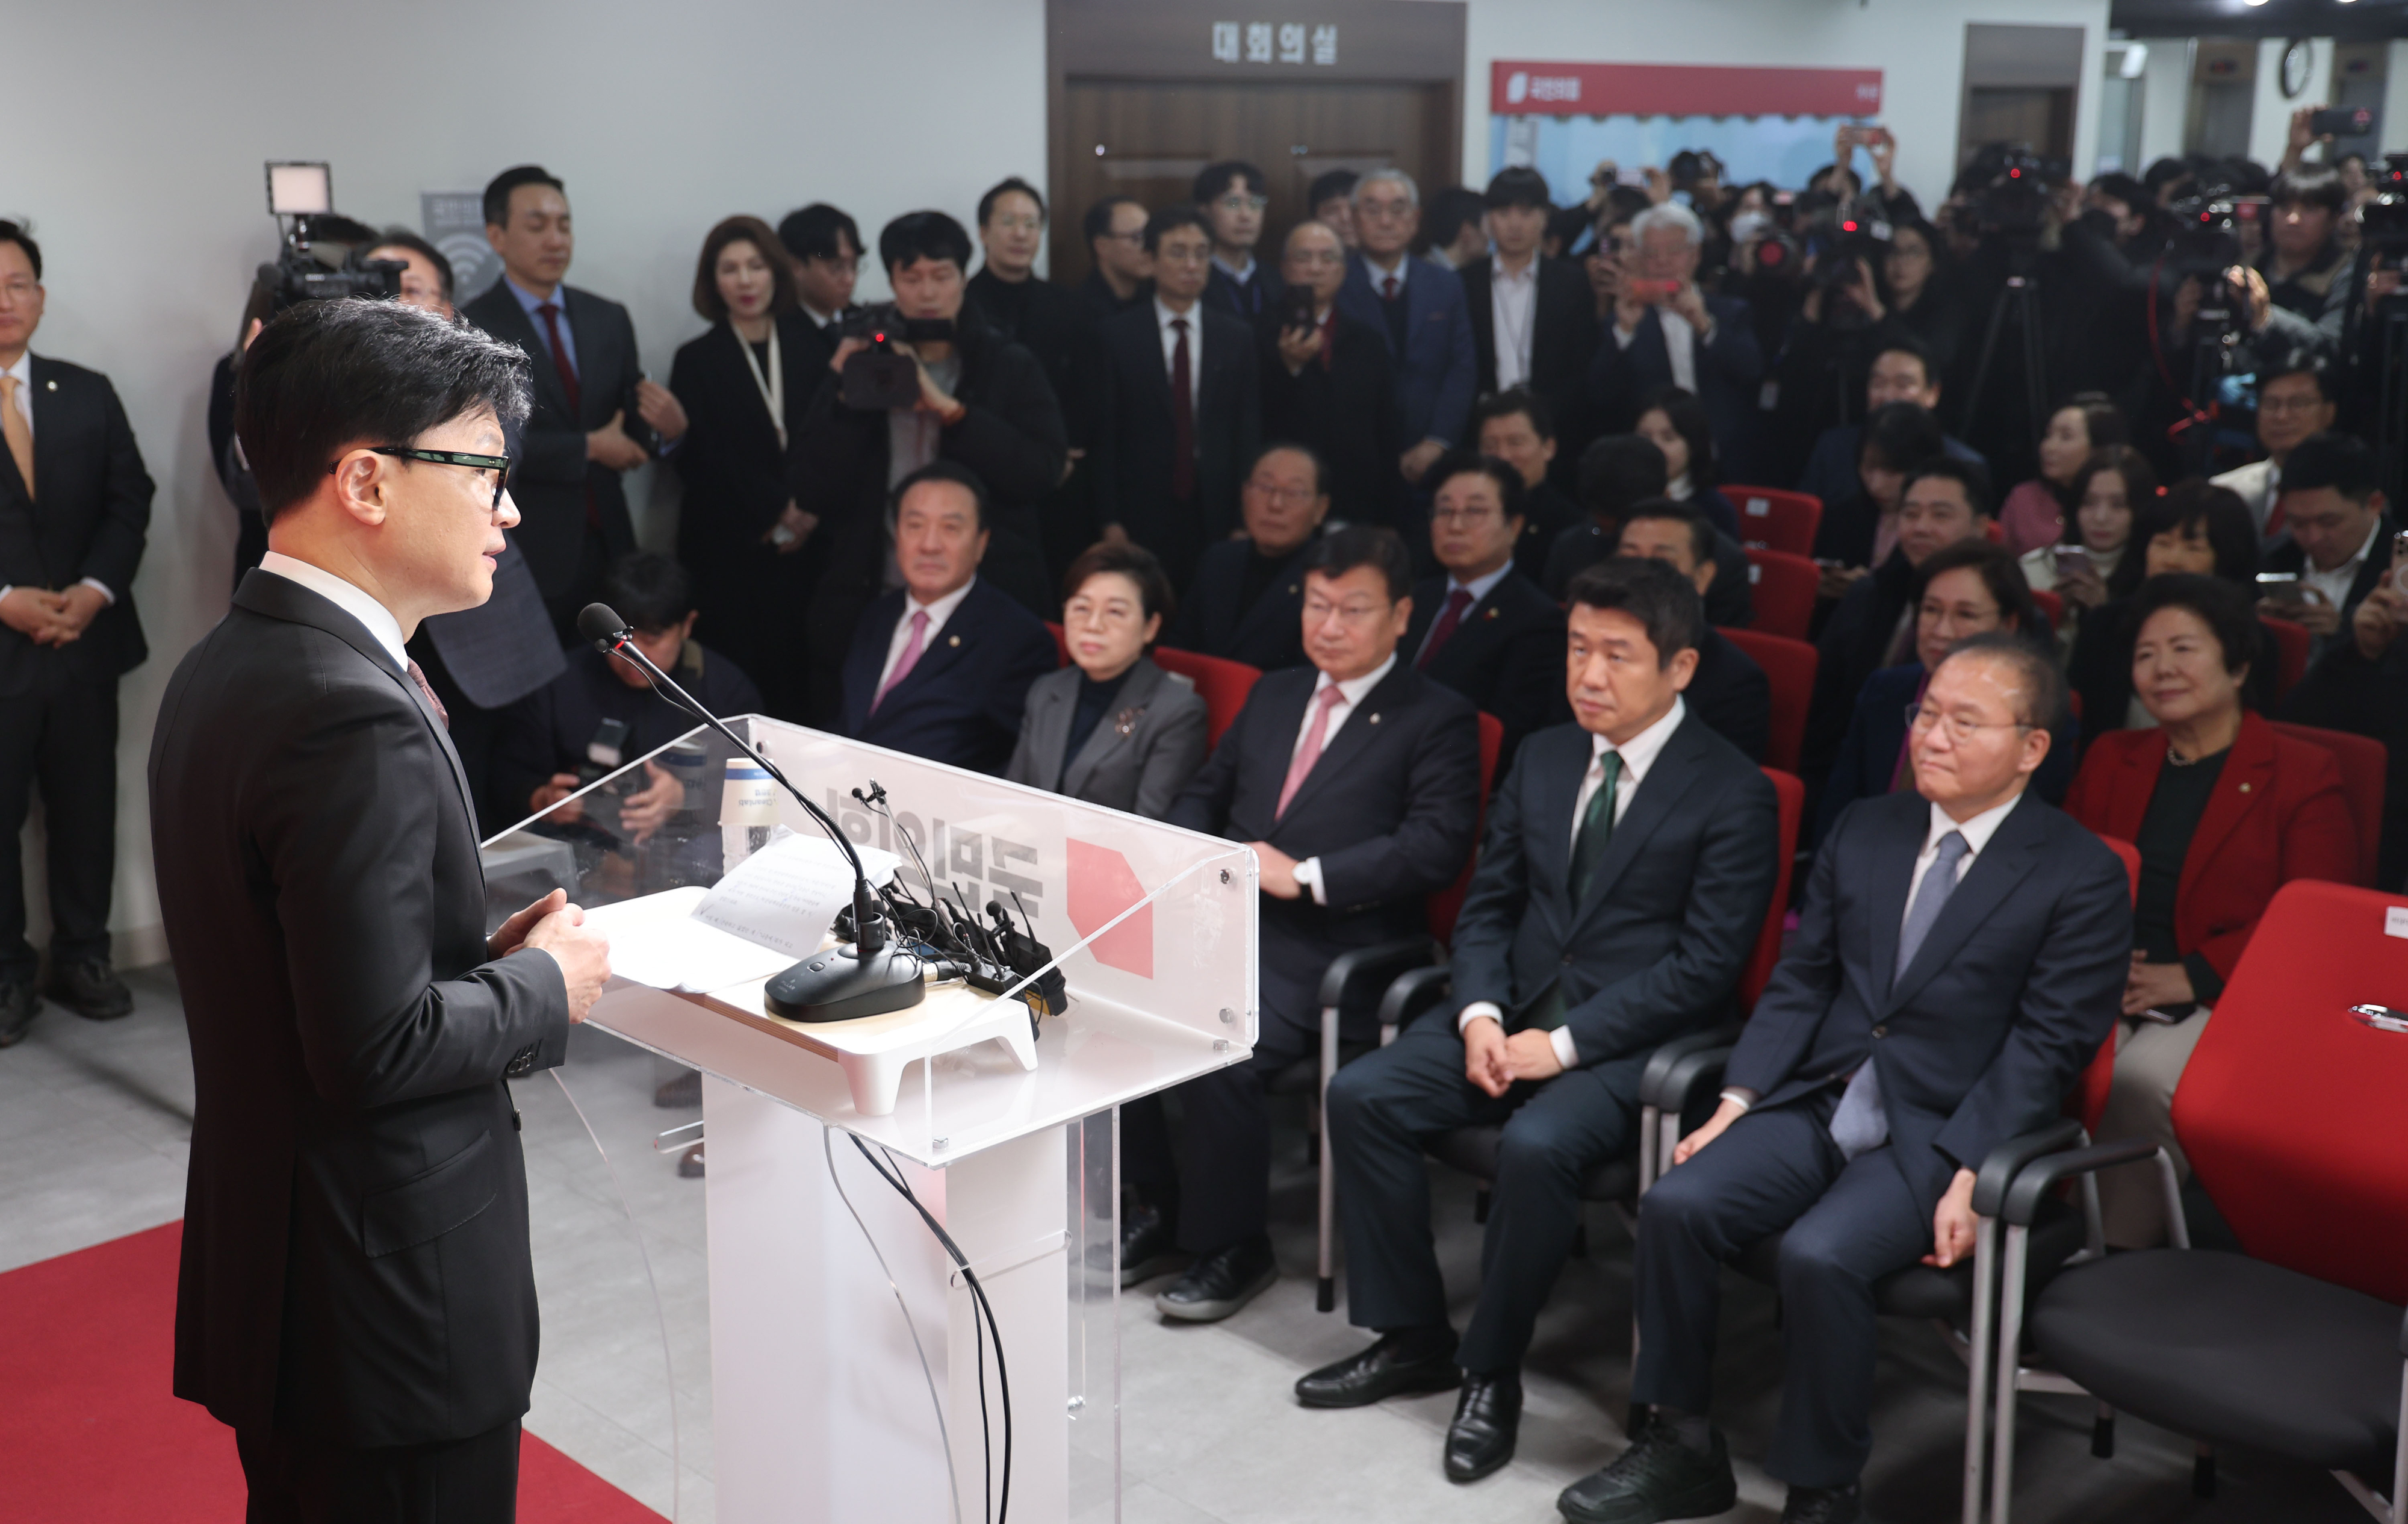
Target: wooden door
[[1149, 138]]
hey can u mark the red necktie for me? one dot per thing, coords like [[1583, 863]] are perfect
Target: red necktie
[[568, 372], [1310, 753], [1183, 418], [1459, 603], [1388, 288], [426, 691], [1328, 336]]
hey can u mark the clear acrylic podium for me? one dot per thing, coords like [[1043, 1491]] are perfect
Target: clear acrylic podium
[[846, 1367]]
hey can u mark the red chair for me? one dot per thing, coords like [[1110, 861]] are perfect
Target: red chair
[[2102, 1072], [2365, 764], [1772, 518], [1784, 588], [1445, 905], [2291, 645], [1223, 684], [1790, 669], [1996, 533], [2287, 1112], [1061, 644], [1759, 973], [2051, 606]]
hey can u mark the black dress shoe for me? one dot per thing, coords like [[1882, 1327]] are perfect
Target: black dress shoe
[[89, 987], [1486, 1417], [1411, 1362], [18, 1006], [1658, 1478], [1148, 1246], [1822, 1506], [1220, 1282]]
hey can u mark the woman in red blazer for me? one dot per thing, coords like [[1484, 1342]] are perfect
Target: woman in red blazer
[[2225, 812]]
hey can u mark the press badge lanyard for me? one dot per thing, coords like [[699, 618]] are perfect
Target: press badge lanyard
[[772, 386]]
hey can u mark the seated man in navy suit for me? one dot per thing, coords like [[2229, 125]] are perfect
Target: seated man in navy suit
[[1357, 780], [1665, 330], [940, 667], [1623, 884], [1247, 601], [1960, 955], [1419, 304], [1483, 628]]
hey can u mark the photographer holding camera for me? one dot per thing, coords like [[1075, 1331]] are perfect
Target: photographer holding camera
[[917, 381]]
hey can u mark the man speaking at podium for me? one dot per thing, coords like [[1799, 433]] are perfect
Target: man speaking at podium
[[357, 1298]]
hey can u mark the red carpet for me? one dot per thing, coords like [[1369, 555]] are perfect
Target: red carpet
[[94, 1436]]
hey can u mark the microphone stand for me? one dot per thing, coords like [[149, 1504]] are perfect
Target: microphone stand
[[866, 978]]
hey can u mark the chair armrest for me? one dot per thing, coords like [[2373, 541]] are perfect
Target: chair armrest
[[1662, 1062], [2403, 1336], [1415, 992], [2008, 1159], [1362, 974], [1670, 1090], [2041, 1176]]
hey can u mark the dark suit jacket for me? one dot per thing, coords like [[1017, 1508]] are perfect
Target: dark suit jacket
[[1051, 322], [355, 1261], [2011, 994], [1872, 750], [1261, 292], [1267, 633], [961, 702], [1563, 335], [551, 478], [1346, 413], [1390, 809], [1134, 446], [1547, 512], [550, 732], [1729, 600], [1731, 693], [2278, 814], [87, 517], [1730, 373], [1507, 655], [1672, 914], [1136, 758], [1437, 373]]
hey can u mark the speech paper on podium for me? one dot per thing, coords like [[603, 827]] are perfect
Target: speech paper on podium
[[786, 895]]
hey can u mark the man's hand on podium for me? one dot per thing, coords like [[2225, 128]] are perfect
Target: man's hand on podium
[[555, 926]]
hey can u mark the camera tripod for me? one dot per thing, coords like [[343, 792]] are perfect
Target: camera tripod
[[2020, 295]]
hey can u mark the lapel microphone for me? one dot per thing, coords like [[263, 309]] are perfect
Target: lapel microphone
[[867, 978]]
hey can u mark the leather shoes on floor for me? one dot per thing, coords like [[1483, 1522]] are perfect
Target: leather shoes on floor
[[1488, 1417], [18, 1006], [1220, 1282], [89, 987], [1822, 1506], [679, 1093], [1658, 1478], [690, 1163], [1148, 1246], [1412, 1361]]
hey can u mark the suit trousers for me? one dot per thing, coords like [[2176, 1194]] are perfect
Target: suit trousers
[[62, 736], [294, 1480], [1224, 1149], [1849, 1223], [1385, 1105]]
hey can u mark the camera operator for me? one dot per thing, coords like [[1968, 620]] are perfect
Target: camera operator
[[71, 474], [983, 403], [1826, 360], [596, 416], [2128, 212]]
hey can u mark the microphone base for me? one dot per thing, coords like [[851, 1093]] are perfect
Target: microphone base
[[844, 983]]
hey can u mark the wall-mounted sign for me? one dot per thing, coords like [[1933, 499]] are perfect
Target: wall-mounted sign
[[1539, 89], [1267, 42], [455, 221]]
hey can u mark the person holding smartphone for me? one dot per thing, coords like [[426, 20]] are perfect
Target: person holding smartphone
[[2106, 491], [1327, 380]]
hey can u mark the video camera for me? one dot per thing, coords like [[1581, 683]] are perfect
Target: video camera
[[298, 194], [2013, 204], [880, 377], [2383, 224], [2207, 232]]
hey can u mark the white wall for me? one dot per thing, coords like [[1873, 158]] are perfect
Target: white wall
[[2165, 100], [1918, 45], [149, 120], [2269, 115]]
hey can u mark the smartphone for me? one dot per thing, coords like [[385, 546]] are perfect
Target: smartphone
[[2400, 560], [1296, 306], [2342, 122], [2167, 1015], [2281, 587], [2072, 561]]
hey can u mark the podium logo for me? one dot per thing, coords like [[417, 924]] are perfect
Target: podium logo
[[1101, 885], [975, 861]]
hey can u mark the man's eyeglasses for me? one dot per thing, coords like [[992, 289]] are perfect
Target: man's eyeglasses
[[498, 465], [1960, 730], [1243, 203]]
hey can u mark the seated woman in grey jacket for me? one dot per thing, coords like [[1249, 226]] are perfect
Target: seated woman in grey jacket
[[1113, 728]]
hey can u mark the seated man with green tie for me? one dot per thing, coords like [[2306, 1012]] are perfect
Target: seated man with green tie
[[1623, 881]]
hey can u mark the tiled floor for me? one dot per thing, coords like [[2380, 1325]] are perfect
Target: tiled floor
[[97, 1121]]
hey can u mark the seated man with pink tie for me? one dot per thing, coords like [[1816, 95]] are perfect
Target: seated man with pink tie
[[1357, 780], [940, 667]]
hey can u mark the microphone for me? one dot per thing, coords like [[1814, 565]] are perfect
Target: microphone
[[868, 978]]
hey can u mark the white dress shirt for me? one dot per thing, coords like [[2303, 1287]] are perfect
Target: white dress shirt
[[2333, 586], [1308, 873], [1379, 276], [937, 614], [348, 596], [22, 373], [1639, 756], [1479, 587], [1513, 315], [1194, 318]]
